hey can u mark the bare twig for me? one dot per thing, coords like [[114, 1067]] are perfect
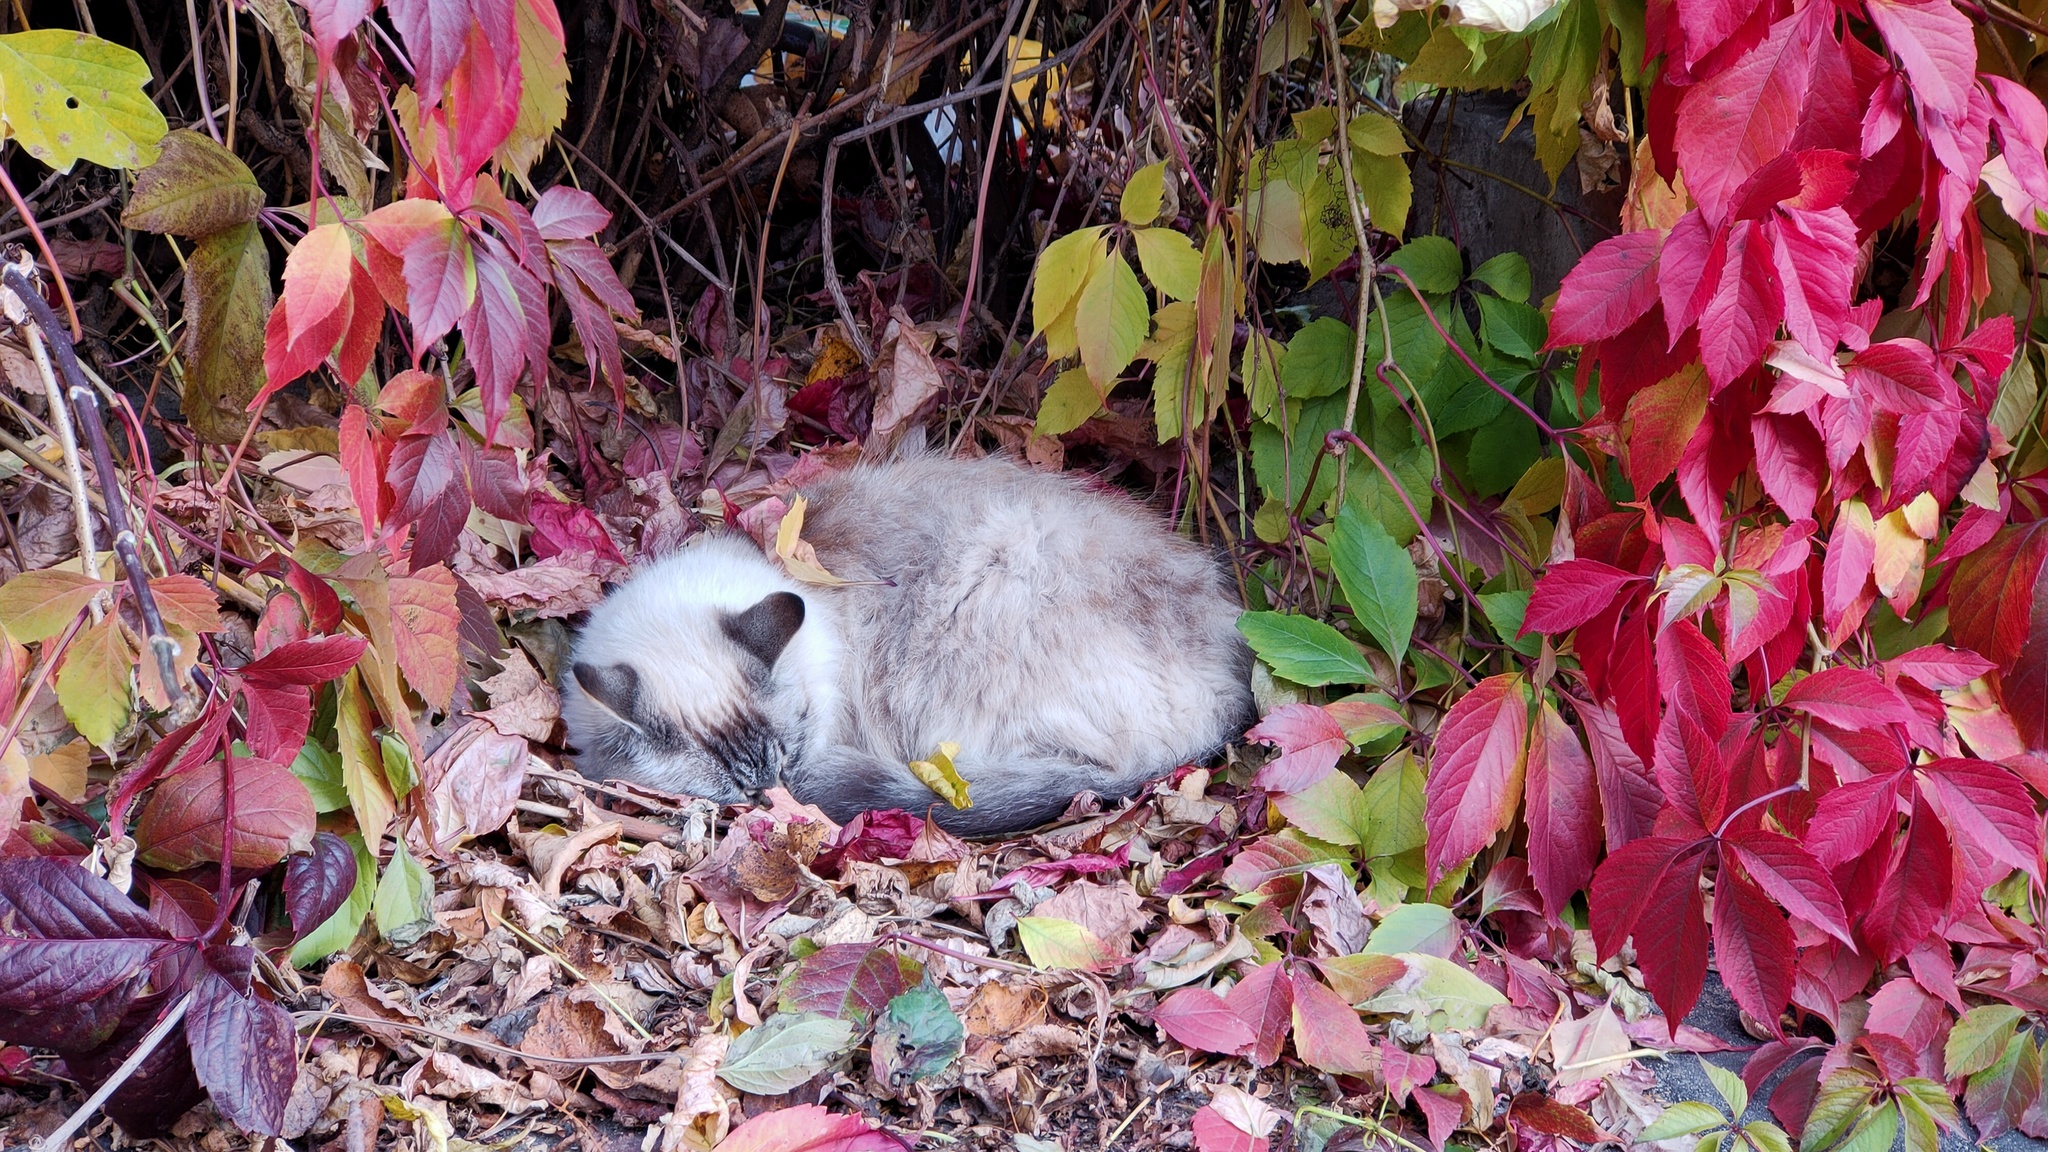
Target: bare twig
[[74, 469]]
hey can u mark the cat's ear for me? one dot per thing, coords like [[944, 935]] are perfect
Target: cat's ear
[[766, 628], [612, 687]]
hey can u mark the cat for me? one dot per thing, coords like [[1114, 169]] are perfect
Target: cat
[[1061, 636]]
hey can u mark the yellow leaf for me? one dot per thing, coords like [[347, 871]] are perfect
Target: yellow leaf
[[61, 770], [798, 558], [1055, 943], [1068, 404], [1170, 261], [1387, 187], [1064, 269], [1377, 134], [362, 763], [939, 775], [1276, 222], [1110, 321], [1170, 348], [93, 684], [67, 97], [543, 90], [1144, 194], [1541, 488]]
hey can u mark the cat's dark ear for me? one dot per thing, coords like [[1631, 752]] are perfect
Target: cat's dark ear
[[766, 628], [613, 687]]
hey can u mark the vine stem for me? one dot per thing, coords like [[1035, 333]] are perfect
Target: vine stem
[[61, 1137], [1766, 798], [1430, 314], [988, 167], [74, 470], [85, 411], [1335, 443]]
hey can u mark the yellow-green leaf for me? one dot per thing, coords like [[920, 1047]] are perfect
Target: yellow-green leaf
[[1110, 320], [362, 762], [1387, 188], [1287, 37], [1170, 348], [1377, 134], [1144, 194], [938, 774], [195, 188], [405, 898], [67, 96], [93, 684], [38, 605], [543, 88], [1170, 261], [227, 304], [1068, 404], [1065, 268], [1276, 221], [1055, 943]]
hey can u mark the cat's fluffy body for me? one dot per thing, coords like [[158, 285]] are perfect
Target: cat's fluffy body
[[1062, 637]]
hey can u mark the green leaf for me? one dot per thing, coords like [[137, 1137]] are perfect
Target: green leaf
[[339, 930], [1144, 195], [1505, 610], [1510, 328], [1432, 262], [1386, 186], [1068, 404], [1052, 942], [227, 303], [1378, 578], [1259, 366], [1327, 228], [66, 97], [39, 604], [1683, 1119], [1507, 274], [784, 1052], [195, 188], [1332, 809], [93, 684], [1170, 261], [1430, 928], [1285, 462], [1733, 1091], [398, 767], [1286, 38], [1926, 1107], [320, 771], [1979, 1038], [1367, 489], [1501, 452], [1765, 1136], [1377, 134], [405, 898], [1456, 998], [1170, 347], [919, 1036], [1063, 270], [1394, 794], [1303, 650], [1110, 321], [1318, 360]]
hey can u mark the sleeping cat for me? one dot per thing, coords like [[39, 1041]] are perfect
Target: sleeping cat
[[1063, 638]]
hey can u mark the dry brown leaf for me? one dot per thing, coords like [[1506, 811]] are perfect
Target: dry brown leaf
[[1000, 1009], [471, 783], [522, 702], [1111, 911]]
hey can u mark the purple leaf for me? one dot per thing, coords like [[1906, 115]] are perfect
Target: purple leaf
[[318, 883]]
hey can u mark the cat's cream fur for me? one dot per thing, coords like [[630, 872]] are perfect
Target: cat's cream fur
[[1062, 637]]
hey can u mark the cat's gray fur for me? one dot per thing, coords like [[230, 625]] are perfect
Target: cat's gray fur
[[1061, 636]]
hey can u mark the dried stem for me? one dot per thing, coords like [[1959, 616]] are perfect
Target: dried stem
[[85, 411], [74, 469], [61, 1137]]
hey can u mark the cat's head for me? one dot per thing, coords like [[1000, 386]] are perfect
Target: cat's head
[[692, 679]]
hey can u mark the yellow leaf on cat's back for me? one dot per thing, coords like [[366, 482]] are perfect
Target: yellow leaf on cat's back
[[939, 775], [798, 558]]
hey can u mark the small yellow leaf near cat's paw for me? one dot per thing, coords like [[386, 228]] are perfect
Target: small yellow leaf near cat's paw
[[798, 558], [939, 775]]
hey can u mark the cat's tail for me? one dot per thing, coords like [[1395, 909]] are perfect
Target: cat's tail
[[1009, 795]]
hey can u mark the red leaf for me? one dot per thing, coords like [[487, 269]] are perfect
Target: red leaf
[[1327, 1032], [317, 276], [1671, 941], [1628, 797], [332, 21], [1742, 314], [1741, 118], [1571, 592], [1912, 898], [496, 330], [1938, 666], [560, 528], [1563, 812], [312, 661], [1215, 1133], [1441, 1111], [1849, 698], [1693, 678], [1626, 884], [426, 477], [279, 717], [440, 280], [808, 1128], [424, 620], [1540, 1113], [181, 825], [1475, 780], [1934, 44], [1991, 601], [1264, 1000], [244, 1050], [1815, 257], [1789, 874], [1201, 1020], [1987, 806], [1610, 288], [1753, 947], [1790, 461], [1310, 742], [1849, 819], [848, 981]]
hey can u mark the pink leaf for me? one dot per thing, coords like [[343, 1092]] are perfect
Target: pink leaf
[[565, 213], [1987, 806], [1327, 1032], [1571, 592], [1934, 44], [1739, 119], [315, 660], [1310, 742], [1912, 898], [1609, 289], [808, 1128], [1563, 812], [1264, 1000], [1742, 314], [1214, 1133], [1475, 781], [1201, 1020]]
